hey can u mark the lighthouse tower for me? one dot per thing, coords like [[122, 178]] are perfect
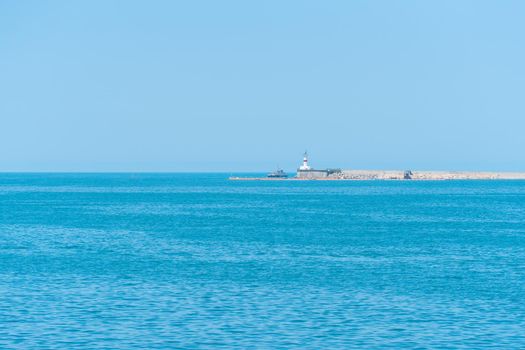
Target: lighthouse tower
[[305, 165]]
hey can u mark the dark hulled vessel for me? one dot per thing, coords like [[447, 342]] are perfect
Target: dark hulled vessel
[[279, 173]]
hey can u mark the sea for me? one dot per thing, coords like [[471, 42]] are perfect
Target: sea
[[194, 261]]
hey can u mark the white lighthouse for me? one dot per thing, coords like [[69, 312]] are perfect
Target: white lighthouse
[[305, 165]]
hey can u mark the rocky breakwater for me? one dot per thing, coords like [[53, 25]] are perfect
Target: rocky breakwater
[[426, 175]]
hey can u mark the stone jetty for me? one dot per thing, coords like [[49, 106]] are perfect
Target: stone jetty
[[402, 175]]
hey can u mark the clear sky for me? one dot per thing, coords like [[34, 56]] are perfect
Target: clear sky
[[249, 85]]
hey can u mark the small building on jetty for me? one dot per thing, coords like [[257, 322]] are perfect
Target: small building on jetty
[[307, 172]]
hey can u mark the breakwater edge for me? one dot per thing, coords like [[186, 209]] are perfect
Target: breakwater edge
[[399, 175], [306, 172]]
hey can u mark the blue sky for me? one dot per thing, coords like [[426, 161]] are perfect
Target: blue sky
[[245, 85]]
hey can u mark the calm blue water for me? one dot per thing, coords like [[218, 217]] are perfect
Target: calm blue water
[[194, 261]]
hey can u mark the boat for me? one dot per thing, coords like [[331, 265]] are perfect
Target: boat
[[279, 173]]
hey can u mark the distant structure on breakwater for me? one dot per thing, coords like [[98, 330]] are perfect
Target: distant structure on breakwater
[[307, 172]]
